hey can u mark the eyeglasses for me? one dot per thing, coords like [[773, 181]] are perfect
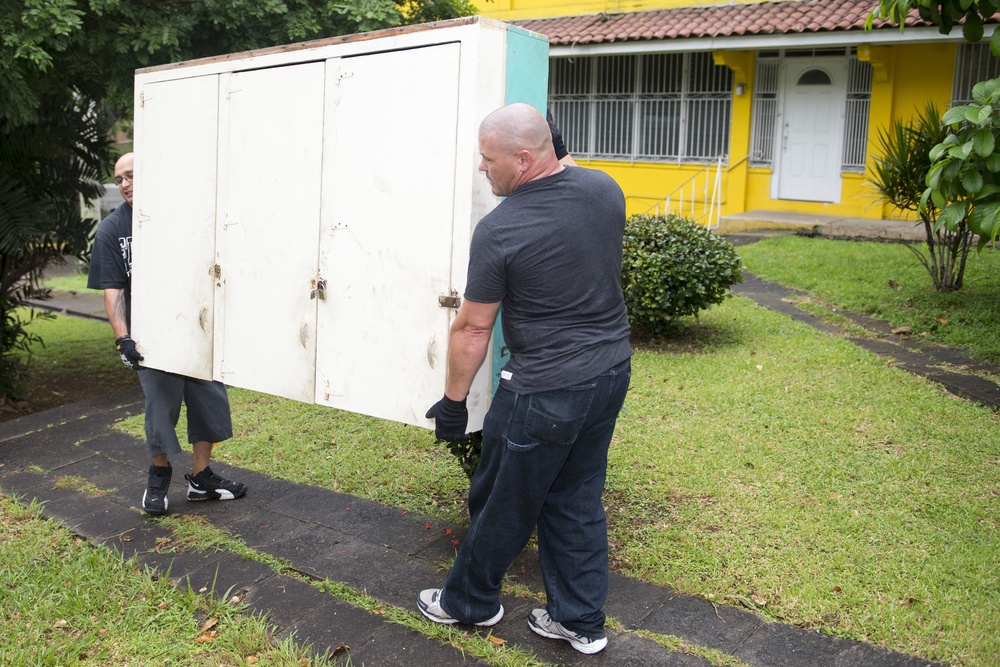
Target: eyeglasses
[[127, 176]]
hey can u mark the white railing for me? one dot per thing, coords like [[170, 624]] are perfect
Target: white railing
[[685, 201]]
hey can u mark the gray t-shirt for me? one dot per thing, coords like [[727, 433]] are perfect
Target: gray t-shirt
[[551, 253], [111, 257]]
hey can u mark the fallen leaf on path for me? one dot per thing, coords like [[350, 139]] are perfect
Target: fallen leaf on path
[[209, 624], [209, 636], [900, 330], [497, 641]]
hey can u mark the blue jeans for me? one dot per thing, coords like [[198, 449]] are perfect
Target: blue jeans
[[543, 464]]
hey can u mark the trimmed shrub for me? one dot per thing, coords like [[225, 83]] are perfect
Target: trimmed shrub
[[672, 267]]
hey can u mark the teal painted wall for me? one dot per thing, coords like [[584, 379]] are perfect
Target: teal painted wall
[[526, 79]]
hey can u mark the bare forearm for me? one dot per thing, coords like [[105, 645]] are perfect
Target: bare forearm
[[466, 353], [114, 304], [468, 345]]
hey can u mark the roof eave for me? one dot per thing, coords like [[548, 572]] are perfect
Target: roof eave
[[799, 40]]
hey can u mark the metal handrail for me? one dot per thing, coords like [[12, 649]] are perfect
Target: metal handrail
[[711, 205]]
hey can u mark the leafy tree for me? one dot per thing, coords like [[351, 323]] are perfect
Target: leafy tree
[[945, 14], [899, 173], [964, 181], [66, 74]]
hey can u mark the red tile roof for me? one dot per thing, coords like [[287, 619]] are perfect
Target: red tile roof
[[762, 18]]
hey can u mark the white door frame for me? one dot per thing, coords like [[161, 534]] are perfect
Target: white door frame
[[826, 183]]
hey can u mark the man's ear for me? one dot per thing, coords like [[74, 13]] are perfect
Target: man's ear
[[524, 160]]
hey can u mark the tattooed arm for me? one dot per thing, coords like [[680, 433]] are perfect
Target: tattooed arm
[[114, 304]]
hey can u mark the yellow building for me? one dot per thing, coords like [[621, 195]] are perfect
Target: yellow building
[[753, 106]]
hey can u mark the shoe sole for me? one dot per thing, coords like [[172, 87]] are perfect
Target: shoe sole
[[223, 495], [593, 647], [490, 622]]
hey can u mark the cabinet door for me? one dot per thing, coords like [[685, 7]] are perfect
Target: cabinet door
[[174, 227], [387, 234], [270, 153]]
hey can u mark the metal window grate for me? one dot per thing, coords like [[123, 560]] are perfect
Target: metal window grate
[[859, 96], [665, 106], [764, 110], [973, 63]]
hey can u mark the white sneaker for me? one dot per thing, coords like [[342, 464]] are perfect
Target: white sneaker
[[542, 624], [429, 603]]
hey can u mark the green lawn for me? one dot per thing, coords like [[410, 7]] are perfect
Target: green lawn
[[887, 281], [757, 463]]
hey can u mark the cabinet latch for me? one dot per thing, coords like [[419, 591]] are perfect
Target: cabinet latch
[[450, 300], [318, 289]]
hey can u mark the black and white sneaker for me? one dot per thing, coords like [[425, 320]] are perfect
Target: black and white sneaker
[[542, 624], [154, 499], [206, 485]]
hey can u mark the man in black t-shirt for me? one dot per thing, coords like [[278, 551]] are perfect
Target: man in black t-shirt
[[207, 403], [550, 254]]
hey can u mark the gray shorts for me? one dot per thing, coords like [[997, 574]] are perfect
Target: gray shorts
[[208, 417]]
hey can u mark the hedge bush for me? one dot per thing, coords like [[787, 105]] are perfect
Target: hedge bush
[[672, 267]]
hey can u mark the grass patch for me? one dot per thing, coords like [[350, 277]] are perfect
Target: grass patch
[[887, 281], [67, 279], [77, 361], [64, 602], [757, 462]]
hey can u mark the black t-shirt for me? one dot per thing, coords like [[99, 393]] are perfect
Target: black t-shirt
[[111, 258], [551, 252]]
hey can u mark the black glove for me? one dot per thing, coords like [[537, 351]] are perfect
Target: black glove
[[557, 139], [130, 356], [451, 419]]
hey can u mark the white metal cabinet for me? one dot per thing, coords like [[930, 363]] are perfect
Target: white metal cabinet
[[337, 189]]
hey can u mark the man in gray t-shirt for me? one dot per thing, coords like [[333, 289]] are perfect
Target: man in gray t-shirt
[[550, 254]]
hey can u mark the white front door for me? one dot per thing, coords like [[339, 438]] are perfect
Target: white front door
[[812, 128]]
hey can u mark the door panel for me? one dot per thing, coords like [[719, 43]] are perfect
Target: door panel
[[388, 213], [812, 137], [174, 197], [270, 152]]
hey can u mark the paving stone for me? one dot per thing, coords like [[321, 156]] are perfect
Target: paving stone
[[371, 521], [21, 482], [630, 601], [84, 418], [44, 450], [228, 576], [337, 626], [398, 645], [284, 599], [397, 578], [258, 528], [701, 622], [777, 645], [880, 657], [181, 564]]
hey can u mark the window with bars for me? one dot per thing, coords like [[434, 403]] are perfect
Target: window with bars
[[973, 63], [764, 111], [655, 107]]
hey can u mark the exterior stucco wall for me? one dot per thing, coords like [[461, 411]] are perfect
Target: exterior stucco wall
[[905, 77]]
